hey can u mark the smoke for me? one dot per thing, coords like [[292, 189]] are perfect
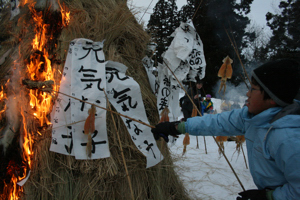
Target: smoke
[[232, 93], [13, 122], [12, 113]]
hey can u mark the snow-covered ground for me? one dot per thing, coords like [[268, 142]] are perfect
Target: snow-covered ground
[[208, 176]]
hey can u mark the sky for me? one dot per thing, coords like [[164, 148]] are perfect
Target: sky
[[259, 9]]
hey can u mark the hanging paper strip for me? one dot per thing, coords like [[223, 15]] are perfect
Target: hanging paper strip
[[84, 79], [185, 58], [125, 95], [148, 64], [186, 50]]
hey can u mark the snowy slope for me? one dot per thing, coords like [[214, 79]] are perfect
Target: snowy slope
[[208, 176]]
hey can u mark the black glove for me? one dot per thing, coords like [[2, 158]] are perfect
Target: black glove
[[165, 129], [253, 195]]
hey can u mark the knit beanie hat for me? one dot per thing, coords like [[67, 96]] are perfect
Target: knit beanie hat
[[280, 79], [208, 96]]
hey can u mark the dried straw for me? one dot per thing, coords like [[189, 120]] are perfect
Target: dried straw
[[56, 176]]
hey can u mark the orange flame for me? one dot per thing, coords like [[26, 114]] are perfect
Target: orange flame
[[3, 97], [65, 14], [13, 170], [38, 68]]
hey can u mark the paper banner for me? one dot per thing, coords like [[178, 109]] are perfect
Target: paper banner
[[84, 79], [186, 49], [185, 58], [168, 93], [164, 92], [125, 95], [148, 64]]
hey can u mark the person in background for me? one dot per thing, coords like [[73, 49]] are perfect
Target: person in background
[[196, 95], [208, 106], [235, 104], [270, 124], [226, 105]]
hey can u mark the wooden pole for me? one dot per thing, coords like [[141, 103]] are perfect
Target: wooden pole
[[121, 148]]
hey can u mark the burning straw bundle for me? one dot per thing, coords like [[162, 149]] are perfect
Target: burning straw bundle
[[56, 176]]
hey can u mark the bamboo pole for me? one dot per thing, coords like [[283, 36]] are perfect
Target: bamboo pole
[[223, 153], [121, 148]]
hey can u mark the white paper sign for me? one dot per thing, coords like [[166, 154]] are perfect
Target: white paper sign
[[84, 79], [186, 49], [185, 58], [125, 95], [148, 64], [86, 76]]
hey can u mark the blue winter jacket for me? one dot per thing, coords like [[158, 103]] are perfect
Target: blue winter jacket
[[273, 144]]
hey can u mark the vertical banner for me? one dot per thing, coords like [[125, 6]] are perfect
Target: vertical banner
[[125, 95], [148, 64], [186, 49], [164, 92], [62, 136], [185, 58], [84, 79]]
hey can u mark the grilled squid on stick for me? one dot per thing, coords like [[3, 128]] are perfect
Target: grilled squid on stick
[[225, 72], [89, 128]]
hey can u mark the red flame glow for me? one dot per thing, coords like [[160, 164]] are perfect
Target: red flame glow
[[38, 69]]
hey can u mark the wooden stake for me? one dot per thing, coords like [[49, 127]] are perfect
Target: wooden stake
[[197, 147], [205, 144]]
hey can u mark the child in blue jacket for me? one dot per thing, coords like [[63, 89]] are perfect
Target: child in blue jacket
[[270, 122], [208, 105]]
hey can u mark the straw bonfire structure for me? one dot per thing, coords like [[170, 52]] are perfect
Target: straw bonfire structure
[[57, 176]]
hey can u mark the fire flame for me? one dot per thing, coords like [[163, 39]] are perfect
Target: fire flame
[[2, 99], [65, 14], [38, 69]]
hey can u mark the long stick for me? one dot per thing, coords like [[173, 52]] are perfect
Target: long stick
[[197, 9], [238, 55], [107, 109], [212, 136], [184, 89], [145, 11], [244, 156], [197, 147], [121, 148], [203, 136], [222, 151], [205, 144]]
